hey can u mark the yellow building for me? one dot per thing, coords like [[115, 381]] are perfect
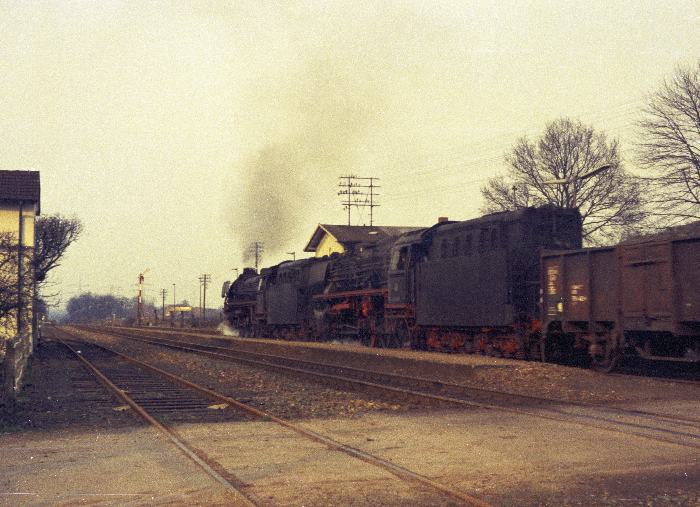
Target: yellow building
[[19, 205], [328, 239]]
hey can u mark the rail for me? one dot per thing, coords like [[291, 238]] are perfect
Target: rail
[[676, 430], [397, 470]]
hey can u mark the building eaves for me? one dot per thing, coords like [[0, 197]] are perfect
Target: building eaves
[[20, 186]]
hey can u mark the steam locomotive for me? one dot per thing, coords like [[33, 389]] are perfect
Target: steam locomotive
[[471, 286]]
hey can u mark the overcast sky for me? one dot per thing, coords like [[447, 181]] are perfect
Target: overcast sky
[[179, 132]]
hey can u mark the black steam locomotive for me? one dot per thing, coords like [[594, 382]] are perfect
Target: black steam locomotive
[[470, 286]]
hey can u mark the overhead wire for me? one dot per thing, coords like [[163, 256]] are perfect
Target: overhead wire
[[449, 167]]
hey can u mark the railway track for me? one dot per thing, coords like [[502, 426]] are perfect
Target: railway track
[[678, 430], [162, 398], [632, 367]]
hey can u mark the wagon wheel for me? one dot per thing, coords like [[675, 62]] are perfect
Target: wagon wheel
[[535, 347], [418, 338], [364, 335], [557, 346], [605, 356]]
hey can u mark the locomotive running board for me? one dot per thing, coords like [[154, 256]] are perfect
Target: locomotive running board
[[350, 293]]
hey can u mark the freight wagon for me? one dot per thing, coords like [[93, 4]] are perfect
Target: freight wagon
[[640, 297]]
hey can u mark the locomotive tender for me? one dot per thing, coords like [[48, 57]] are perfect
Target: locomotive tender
[[513, 284], [471, 285]]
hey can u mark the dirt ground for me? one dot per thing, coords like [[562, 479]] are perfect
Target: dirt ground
[[67, 445]]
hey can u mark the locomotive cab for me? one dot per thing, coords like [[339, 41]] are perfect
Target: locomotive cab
[[404, 256]]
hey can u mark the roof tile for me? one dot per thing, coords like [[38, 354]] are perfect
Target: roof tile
[[20, 185]]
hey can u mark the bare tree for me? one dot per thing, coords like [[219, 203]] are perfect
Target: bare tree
[[609, 201], [670, 147], [54, 234], [8, 274]]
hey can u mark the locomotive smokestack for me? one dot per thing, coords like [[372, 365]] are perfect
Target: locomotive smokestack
[[442, 219]]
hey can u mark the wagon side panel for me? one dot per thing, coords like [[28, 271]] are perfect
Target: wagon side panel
[[579, 286], [646, 286], [603, 288]]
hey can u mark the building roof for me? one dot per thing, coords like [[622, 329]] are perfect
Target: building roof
[[20, 186], [354, 234]]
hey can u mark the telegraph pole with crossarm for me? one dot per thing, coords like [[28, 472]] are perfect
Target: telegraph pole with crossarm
[[359, 192], [163, 293]]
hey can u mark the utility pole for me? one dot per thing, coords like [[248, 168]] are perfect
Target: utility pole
[[349, 192], [372, 186], [20, 272], [172, 314], [256, 250], [351, 186], [293, 254], [205, 279], [163, 292], [139, 302], [200, 295]]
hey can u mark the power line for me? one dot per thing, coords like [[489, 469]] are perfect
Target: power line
[[450, 160]]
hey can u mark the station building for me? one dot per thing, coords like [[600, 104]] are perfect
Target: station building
[[328, 239], [19, 206]]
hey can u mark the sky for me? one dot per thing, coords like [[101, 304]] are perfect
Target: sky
[[180, 132]]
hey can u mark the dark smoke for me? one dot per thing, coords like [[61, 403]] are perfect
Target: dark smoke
[[290, 185], [270, 207]]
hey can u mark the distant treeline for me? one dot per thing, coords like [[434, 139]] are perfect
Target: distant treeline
[[92, 307]]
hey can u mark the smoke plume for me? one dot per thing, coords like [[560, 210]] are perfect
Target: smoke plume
[[290, 183]]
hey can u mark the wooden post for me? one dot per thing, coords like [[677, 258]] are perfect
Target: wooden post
[[20, 272], [8, 380]]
